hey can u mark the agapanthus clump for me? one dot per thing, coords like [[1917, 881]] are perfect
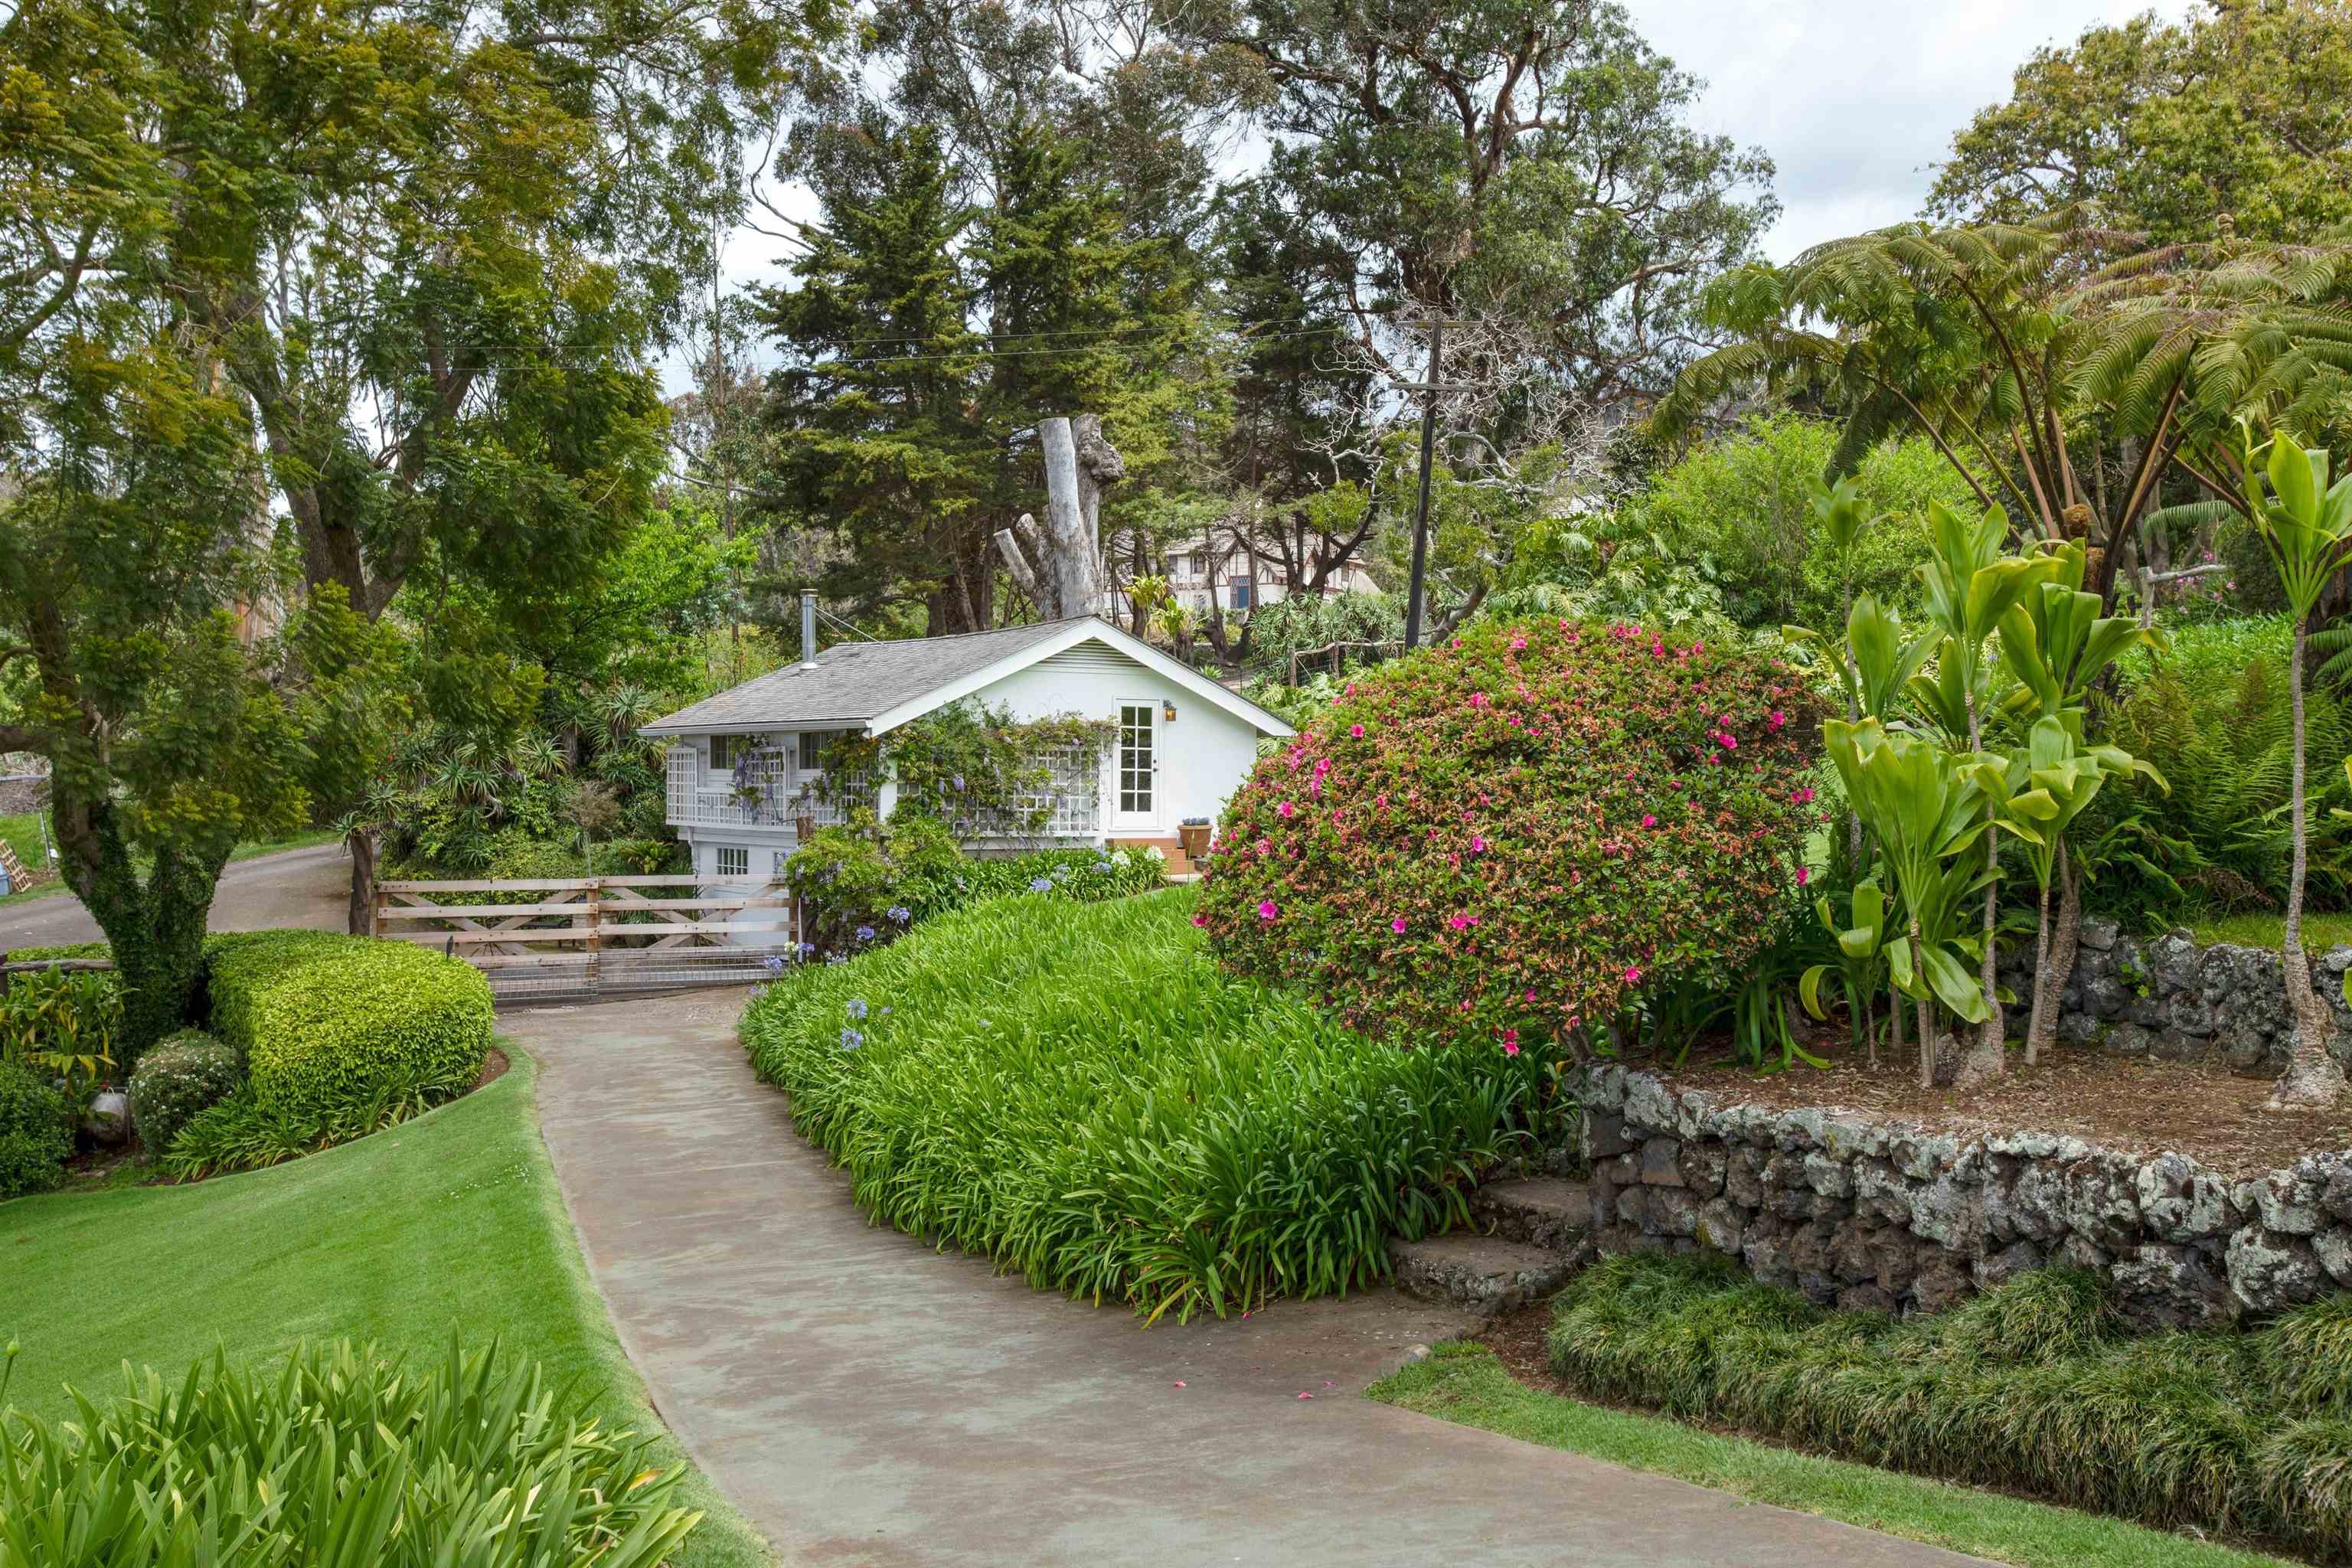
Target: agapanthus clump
[[1512, 834]]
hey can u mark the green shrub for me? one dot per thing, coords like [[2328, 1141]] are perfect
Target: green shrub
[[340, 1456], [2211, 715], [1070, 1091], [859, 887], [239, 1134], [1742, 504], [35, 1132], [1521, 833], [2033, 1386], [326, 1022], [50, 1014], [185, 1074]]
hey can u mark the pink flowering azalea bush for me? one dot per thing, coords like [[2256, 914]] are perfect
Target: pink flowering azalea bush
[[1508, 838]]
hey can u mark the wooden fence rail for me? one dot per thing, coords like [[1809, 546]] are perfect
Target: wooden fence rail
[[548, 937]]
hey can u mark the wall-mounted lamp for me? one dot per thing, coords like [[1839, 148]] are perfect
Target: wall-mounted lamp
[[1168, 711]]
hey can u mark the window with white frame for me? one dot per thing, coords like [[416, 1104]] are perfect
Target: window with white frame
[[812, 743], [728, 860], [726, 751], [776, 861]]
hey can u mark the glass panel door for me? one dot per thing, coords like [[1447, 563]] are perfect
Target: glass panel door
[[1135, 801]]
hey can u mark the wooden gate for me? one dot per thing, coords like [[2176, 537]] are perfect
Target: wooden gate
[[589, 936]]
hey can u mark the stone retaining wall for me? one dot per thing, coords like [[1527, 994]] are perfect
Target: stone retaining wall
[[2169, 997], [1863, 1213]]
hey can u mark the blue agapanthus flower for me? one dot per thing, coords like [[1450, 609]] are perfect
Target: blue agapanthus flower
[[865, 934], [851, 1039], [901, 913], [1041, 885], [857, 1006], [773, 963], [807, 948]]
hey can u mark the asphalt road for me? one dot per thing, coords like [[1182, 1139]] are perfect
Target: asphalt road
[[309, 888]]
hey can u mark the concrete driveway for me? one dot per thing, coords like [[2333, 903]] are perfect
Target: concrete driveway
[[305, 888], [865, 1400]]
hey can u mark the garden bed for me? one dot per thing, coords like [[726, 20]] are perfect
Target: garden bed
[[2128, 1104]]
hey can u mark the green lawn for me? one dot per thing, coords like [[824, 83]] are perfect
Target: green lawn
[[451, 1219], [1466, 1383], [2320, 932], [22, 832]]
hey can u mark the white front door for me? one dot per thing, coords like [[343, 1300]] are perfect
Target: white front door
[[1135, 768]]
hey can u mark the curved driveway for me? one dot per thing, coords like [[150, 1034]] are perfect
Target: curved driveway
[[866, 1400], [307, 888]]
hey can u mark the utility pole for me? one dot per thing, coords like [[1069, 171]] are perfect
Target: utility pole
[[1429, 390]]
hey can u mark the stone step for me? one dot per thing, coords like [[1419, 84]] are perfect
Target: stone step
[[1484, 1273], [1550, 1212]]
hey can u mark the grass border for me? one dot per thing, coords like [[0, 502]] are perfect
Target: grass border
[[1467, 1383], [510, 1129]]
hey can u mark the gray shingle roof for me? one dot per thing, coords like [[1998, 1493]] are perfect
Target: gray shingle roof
[[853, 683]]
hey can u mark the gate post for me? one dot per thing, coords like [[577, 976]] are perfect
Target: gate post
[[595, 933]]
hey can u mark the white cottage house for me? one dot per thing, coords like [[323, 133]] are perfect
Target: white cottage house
[[741, 763]]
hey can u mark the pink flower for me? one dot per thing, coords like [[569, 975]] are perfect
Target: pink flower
[[1285, 809], [1477, 844], [1804, 796], [1267, 911], [1199, 919], [1632, 974], [1779, 718], [1531, 996], [1355, 731], [1648, 821], [1804, 875], [1510, 1042], [1518, 644], [1461, 922], [1397, 925], [1265, 845]]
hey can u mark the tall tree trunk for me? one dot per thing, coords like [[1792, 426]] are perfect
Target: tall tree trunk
[[1894, 1020], [155, 929], [1987, 1059], [360, 916], [2313, 1075]]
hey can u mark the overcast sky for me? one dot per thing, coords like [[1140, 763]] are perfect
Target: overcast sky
[[1855, 99]]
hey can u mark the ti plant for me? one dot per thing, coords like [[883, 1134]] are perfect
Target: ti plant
[[1861, 965], [1928, 809], [1969, 585], [2055, 642], [2305, 523], [2059, 775]]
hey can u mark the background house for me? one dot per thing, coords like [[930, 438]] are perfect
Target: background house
[[1219, 572], [741, 766]]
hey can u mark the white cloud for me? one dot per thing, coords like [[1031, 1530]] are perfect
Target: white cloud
[[1857, 99]]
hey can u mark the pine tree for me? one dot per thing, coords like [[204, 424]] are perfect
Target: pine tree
[[880, 442]]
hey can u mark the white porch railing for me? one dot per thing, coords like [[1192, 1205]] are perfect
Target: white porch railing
[[766, 799], [773, 797]]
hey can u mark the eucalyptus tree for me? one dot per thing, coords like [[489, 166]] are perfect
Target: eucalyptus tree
[[2233, 108]]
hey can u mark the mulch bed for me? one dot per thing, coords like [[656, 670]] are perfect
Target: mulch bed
[[2130, 1104]]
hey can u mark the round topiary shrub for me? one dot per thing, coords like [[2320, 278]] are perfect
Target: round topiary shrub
[[189, 1073], [35, 1132], [1505, 839]]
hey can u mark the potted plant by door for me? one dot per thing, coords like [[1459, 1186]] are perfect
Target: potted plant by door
[[1194, 832]]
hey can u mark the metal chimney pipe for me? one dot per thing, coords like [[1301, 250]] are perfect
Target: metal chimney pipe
[[808, 628]]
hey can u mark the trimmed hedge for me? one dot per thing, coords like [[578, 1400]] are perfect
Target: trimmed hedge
[[2033, 1386], [185, 1074], [325, 1022], [35, 1132]]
